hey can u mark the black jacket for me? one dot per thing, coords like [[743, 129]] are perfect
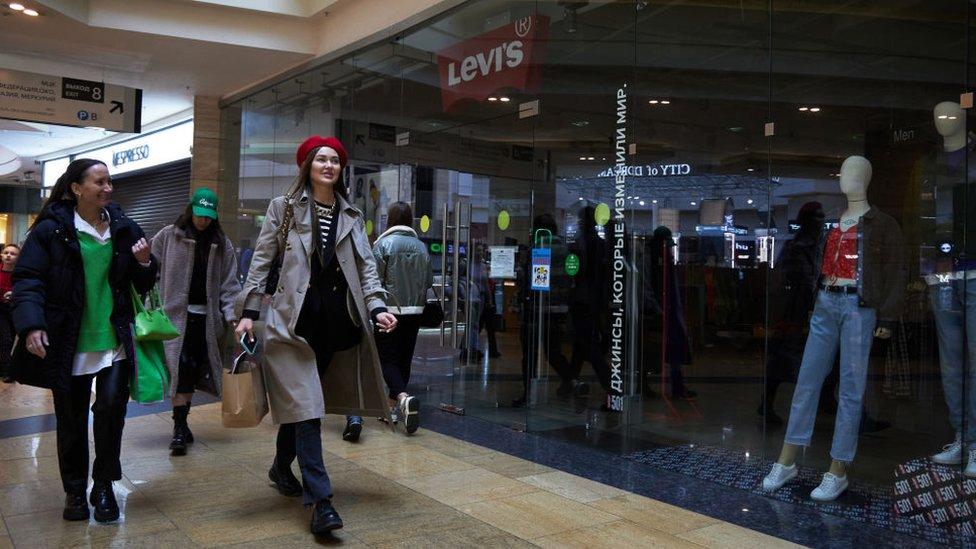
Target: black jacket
[[882, 275], [49, 291]]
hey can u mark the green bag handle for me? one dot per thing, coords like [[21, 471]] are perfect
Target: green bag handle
[[137, 302], [155, 302]]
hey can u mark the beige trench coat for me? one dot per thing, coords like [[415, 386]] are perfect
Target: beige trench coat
[[175, 253], [353, 382]]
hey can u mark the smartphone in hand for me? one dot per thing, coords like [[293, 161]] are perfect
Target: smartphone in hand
[[249, 344]]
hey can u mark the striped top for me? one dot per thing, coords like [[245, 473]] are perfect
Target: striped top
[[326, 219]]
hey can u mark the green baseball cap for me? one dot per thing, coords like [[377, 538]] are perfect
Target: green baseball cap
[[204, 203]]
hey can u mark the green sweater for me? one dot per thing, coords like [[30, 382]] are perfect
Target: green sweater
[[97, 333]]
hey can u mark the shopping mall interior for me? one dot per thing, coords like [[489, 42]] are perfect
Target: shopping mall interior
[[628, 206]]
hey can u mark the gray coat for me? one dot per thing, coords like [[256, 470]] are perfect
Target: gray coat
[[353, 382], [175, 252]]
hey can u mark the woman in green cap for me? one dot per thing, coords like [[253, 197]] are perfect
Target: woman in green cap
[[201, 306]]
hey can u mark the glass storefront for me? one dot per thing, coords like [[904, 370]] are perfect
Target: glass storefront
[[667, 228]]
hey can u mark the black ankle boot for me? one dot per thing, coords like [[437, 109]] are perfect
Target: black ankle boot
[[325, 518], [284, 480], [75, 507], [103, 500], [181, 430]]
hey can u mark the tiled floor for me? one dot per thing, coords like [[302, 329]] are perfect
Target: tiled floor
[[429, 490]]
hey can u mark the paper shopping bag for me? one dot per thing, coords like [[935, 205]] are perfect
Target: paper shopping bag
[[244, 401]]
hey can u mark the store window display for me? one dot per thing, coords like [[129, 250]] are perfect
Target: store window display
[[950, 280], [861, 284]]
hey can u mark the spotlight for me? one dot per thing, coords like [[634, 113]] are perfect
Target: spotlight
[[30, 12], [492, 99], [814, 109], [804, 109], [17, 7], [504, 99]]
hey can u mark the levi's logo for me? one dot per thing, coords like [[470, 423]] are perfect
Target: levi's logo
[[509, 54]]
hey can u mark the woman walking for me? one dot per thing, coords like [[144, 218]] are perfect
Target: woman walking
[[8, 259], [200, 306], [405, 272], [73, 311], [318, 342]]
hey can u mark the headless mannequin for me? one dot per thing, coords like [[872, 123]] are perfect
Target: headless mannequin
[[855, 176]]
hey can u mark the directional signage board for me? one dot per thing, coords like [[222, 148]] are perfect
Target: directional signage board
[[69, 101]]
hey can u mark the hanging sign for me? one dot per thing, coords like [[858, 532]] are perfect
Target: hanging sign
[[509, 56], [69, 101], [541, 268]]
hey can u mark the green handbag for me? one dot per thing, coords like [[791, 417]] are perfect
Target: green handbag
[[151, 378], [151, 324]]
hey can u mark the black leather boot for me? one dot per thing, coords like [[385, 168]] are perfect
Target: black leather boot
[[325, 518], [284, 480], [75, 507], [103, 500], [181, 430]]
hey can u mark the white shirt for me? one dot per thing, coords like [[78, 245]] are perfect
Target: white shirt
[[92, 362]]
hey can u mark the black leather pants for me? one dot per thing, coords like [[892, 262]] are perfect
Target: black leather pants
[[71, 411]]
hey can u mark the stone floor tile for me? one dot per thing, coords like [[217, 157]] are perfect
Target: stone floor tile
[[467, 486], [614, 534], [449, 446], [573, 487], [452, 540], [244, 520], [507, 465], [304, 540], [29, 446], [19, 471], [730, 536], [537, 514], [653, 514], [409, 462], [170, 539]]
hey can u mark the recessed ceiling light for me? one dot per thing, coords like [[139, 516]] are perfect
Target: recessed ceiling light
[[953, 117], [750, 169], [581, 198], [665, 102], [814, 109], [804, 109], [641, 202], [32, 13], [590, 158], [693, 203], [943, 116], [653, 101], [16, 7], [582, 158], [654, 201], [504, 99], [750, 201], [492, 99]]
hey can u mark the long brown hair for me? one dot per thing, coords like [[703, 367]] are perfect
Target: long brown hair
[[304, 179], [61, 192]]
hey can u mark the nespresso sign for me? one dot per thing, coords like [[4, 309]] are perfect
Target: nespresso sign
[[507, 57], [130, 155]]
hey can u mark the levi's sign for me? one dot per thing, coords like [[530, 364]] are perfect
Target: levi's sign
[[69, 101], [509, 56]]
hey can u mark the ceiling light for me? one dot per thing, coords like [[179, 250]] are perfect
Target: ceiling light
[[814, 109], [693, 203], [641, 202], [504, 99], [750, 169], [952, 117], [590, 158], [943, 116], [654, 201], [735, 129], [581, 198], [492, 99], [30, 12], [804, 109], [665, 102], [17, 7], [750, 201], [582, 158], [653, 101]]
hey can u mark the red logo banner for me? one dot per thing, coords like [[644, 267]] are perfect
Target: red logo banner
[[507, 57]]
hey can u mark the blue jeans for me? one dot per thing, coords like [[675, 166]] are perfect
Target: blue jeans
[[304, 441], [954, 309], [838, 320]]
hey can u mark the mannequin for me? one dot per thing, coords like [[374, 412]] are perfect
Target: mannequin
[[859, 292], [951, 288]]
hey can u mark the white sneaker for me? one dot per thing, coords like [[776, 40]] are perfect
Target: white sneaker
[[778, 476], [830, 487], [410, 412], [971, 466], [951, 454]]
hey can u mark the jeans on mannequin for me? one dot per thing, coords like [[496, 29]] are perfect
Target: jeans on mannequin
[[838, 321], [954, 308]]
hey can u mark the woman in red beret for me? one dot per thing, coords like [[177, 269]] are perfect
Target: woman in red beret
[[319, 350]]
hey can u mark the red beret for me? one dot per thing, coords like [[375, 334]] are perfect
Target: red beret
[[316, 141]]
